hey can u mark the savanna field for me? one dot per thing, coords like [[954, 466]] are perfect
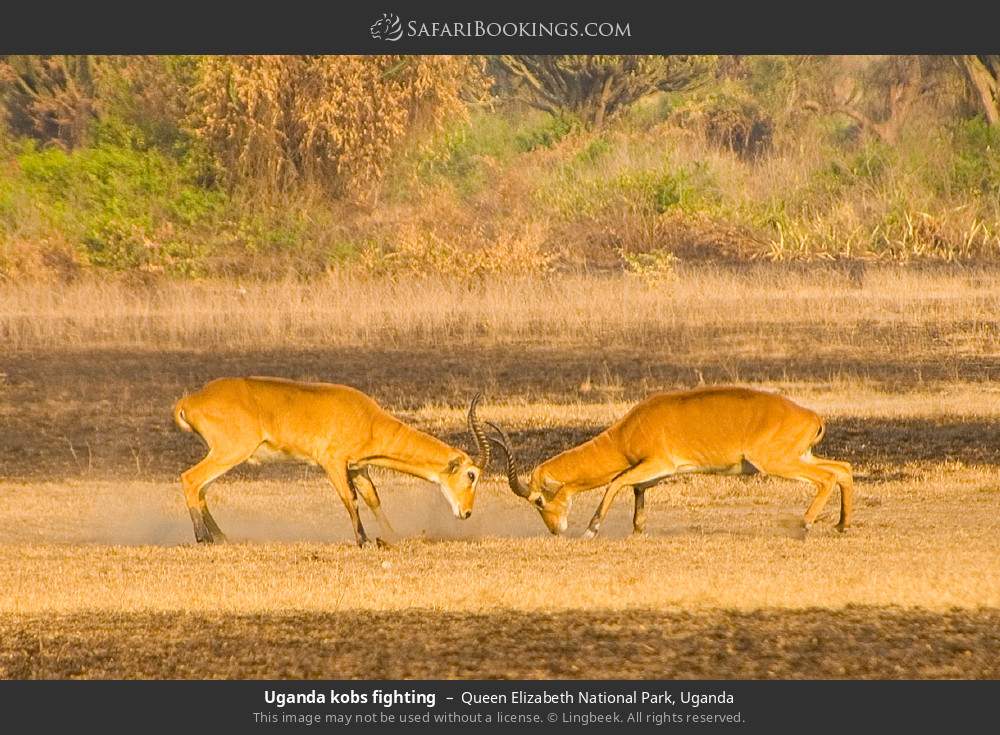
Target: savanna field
[[825, 227], [103, 578]]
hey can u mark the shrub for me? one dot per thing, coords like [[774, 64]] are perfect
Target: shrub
[[465, 152], [654, 268], [594, 88], [976, 164], [731, 121], [278, 123], [550, 132], [50, 98]]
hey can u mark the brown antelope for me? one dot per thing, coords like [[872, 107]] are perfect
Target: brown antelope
[[719, 430], [337, 427]]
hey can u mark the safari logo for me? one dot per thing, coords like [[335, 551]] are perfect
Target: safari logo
[[387, 28]]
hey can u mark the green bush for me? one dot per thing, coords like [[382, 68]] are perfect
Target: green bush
[[976, 165], [684, 188], [867, 166], [593, 151], [460, 152], [125, 208], [547, 134]]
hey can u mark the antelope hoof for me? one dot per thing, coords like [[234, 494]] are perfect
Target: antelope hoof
[[589, 533], [201, 533], [382, 543], [219, 538], [842, 528]]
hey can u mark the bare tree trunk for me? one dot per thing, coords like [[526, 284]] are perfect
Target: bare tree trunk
[[984, 74], [601, 106]]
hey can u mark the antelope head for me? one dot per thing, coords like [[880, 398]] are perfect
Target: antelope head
[[459, 479], [552, 504]]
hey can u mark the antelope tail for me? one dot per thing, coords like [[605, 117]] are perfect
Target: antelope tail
[[820, 433], [179, 417]]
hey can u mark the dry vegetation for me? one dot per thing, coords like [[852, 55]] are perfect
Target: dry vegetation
[[101, 577], [258, 167], [763, 310]]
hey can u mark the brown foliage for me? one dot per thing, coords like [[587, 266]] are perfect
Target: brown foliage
[[281, 122], [48, 97]]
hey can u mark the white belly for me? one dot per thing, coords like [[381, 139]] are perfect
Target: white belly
[[742, 468], [269, 453]]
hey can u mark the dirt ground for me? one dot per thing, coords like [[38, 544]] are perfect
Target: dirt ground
[[108, 413]]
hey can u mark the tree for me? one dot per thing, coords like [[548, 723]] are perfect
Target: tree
[[593, 88], [983, 73], [878, 92], [902, 84]]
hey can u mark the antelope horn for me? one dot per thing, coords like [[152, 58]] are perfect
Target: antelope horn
[[512, 475], [482, 441]]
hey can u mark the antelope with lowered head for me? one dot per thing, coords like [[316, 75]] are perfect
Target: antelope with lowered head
[[718, 430], [335, 426]]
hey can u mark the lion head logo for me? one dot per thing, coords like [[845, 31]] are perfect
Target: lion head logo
[[387, 28]]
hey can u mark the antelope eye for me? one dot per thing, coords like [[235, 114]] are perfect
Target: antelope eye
[[472, 476]]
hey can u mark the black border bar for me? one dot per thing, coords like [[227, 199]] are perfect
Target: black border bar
[[654, 27], [252, 706]]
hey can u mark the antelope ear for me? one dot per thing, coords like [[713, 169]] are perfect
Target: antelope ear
[[453, 466]]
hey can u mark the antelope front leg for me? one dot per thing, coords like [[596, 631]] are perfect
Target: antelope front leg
[[640, 474], [362, 483], [845, 479], [337, 472]]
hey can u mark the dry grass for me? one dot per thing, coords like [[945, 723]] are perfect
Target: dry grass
[[760, 310], [923, 539], [854, 642]]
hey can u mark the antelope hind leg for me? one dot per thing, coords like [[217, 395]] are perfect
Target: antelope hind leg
[[822, 478], [193, 482], [217, 535], [639, 514]]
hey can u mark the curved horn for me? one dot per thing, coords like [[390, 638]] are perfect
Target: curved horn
[[482, 441], [504, 444]]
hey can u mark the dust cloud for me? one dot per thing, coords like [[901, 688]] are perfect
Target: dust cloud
[[140, 514]]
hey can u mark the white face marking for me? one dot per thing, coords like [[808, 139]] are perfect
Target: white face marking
[[564, 521], [451, 500]]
